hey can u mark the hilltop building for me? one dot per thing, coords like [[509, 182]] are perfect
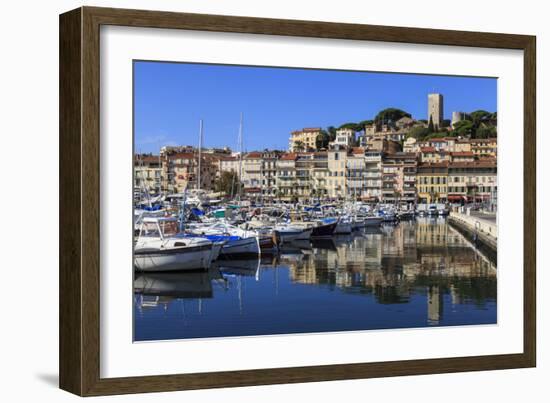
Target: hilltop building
[[435, 109], [304, 140]]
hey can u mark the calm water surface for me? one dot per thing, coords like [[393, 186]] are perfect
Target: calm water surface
[[416, 274]]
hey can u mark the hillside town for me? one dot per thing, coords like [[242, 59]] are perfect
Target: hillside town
[[392, 159], [328, 226]]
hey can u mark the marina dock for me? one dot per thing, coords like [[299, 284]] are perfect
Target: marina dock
[[479, 227]]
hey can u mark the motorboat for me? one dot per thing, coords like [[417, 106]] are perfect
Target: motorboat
[[158, 248], [373, 221], [358, 223], [324, 230], [289, 232], [344, 226], [237, 242], [405, 215]]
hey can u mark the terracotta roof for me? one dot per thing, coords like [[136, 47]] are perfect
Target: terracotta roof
[[146, 158], [307, 130], [289, 157], [427, 149], [253, 155], [357, 150]]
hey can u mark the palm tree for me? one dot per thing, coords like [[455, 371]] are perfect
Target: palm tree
[[299, 146]]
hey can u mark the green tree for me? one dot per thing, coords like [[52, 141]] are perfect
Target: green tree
[[390, 114], [479, 116], [228, 183], [483, 124], [331, 130], [299, 146], [485, 132], [418, 132], [463, 128], [321, 141], [356, 127], [364, 123]]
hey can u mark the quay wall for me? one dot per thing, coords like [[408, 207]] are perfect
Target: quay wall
[[482, 233]]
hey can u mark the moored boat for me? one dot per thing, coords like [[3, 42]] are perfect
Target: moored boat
[[158, 248], [323, 230], [372, 221]]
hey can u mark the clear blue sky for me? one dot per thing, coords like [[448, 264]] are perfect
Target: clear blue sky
[[171, 98]]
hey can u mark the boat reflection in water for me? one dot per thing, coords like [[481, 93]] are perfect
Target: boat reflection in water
[[415, 274]]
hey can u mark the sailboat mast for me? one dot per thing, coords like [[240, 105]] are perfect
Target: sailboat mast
[[240, 154], [200, 155]]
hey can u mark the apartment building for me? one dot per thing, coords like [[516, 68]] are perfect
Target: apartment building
[[229, 164], [286, 176], [303, 182], [304, 140], [181, 171], [148, 173], [252, 173], [355, 167], [336, 164], [472, 181], [344, 137], [399, 172], [431, 182], [268, 173], [320, 174], [372, 183], [484, 147]]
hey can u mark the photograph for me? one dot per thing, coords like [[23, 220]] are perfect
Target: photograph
[[273, 200]]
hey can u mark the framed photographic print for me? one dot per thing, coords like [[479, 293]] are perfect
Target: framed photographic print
[[248, 201]]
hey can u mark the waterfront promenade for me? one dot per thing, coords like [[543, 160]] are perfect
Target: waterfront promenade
[[480, 227]]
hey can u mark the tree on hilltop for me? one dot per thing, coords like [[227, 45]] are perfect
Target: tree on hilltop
[[390, 114]]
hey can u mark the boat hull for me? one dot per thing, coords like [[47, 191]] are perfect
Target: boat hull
[[298, 234], [324, 230], [373, 221], [343, 228], [173, 259], [240, 247]]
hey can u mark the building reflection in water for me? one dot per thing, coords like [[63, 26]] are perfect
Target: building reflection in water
[[392, 261], [423, 264]]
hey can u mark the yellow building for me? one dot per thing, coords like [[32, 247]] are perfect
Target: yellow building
[[304, 140], [431, 182], [484, 147]]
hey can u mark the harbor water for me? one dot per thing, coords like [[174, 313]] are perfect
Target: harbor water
[[418, 273]]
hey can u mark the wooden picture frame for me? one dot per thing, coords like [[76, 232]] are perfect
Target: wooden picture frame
[[80, 185]]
